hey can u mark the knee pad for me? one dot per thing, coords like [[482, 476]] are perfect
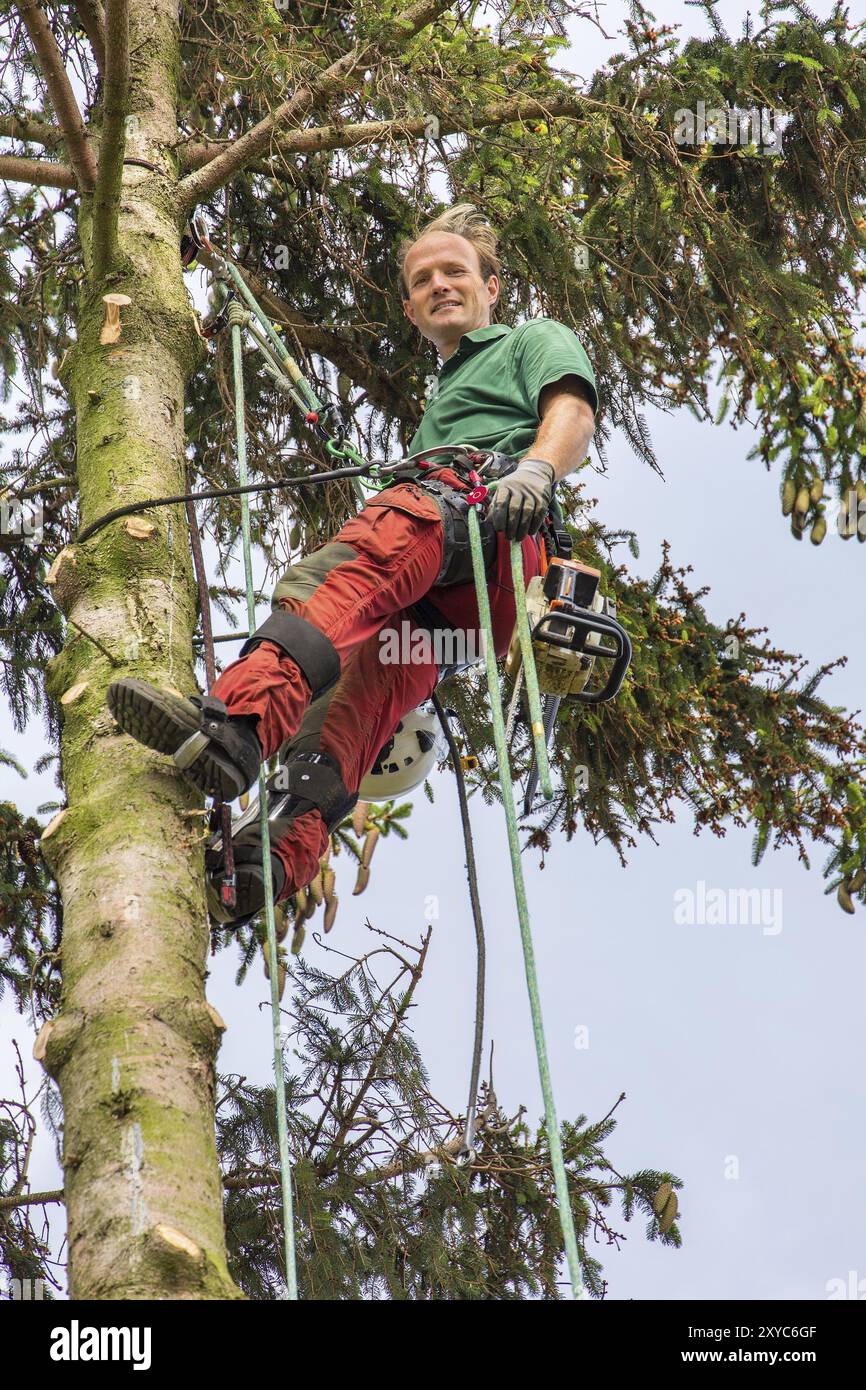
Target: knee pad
[[314, 653], [308, 781]]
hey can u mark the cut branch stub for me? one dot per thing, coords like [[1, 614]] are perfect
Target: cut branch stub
[[74, 693], [55, 1040], [64, 580], [139, 529], [111, 328]]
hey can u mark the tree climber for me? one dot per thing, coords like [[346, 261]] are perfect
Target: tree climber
[[310, 679]]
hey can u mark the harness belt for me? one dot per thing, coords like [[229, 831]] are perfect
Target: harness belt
[[496, 465], [456, 551]]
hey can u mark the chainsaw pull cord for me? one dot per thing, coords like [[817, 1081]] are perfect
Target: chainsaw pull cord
[[563, 1199], [236, 318], [466, 1152]]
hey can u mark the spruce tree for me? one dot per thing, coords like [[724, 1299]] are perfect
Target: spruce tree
[[312, 141]]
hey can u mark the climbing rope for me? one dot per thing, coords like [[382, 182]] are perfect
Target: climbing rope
[[466, 1152], [206, 494], [236, 320], [566, 1217]]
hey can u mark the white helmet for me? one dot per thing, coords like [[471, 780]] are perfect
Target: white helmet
[[408, 757]]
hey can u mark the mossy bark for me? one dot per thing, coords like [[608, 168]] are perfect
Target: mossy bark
[[133, 1048]]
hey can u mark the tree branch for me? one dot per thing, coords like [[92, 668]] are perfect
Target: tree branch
[[31, 1199], [408, 1162], [32, 129], [93, 23], [60, 92], [15, 169], [330, 82], [113, 139], [326, 1164], [350, 136]]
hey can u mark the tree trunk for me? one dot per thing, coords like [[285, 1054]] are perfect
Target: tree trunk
[[134, 1045]]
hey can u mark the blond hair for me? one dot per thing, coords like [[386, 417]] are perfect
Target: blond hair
[[464, 220]]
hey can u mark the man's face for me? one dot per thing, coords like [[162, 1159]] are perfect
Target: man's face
[[447, 293]]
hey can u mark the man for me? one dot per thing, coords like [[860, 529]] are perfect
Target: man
[[311, 678]]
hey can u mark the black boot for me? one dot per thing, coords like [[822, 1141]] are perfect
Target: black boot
[[219, 752], [249, 882], [310, 781]]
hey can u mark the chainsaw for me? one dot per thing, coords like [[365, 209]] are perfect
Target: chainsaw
[[573, 627]]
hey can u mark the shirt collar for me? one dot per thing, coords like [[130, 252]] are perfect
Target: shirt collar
[[474, 340]]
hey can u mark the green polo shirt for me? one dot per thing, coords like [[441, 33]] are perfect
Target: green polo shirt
[[488, 390]]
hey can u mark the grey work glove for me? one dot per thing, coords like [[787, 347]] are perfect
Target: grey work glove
[[522, 498]]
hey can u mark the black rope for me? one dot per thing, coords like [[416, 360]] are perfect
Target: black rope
[[472, 876], [328, 476]]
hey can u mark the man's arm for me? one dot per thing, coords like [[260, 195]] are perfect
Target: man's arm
[[567, 425], [522, 498]]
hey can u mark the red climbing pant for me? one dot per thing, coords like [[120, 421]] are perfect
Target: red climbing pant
[[399, 543]]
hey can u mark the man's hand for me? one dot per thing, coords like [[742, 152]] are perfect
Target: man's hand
[[522, 498]]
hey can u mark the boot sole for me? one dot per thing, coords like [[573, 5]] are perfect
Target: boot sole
[[155, 718]]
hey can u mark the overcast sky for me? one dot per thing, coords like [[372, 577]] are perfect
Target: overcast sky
[[739, 1047]]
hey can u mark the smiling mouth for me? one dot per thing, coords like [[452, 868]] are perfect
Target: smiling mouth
[[452, 304]]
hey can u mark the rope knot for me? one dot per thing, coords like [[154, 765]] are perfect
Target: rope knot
[[238, 316]]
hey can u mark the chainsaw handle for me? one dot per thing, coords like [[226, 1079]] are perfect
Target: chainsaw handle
[[603, 625]]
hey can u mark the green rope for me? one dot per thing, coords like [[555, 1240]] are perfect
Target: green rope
[[236, 319], [282, 351], [288, 367], [559, 1175], [530, 674]]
